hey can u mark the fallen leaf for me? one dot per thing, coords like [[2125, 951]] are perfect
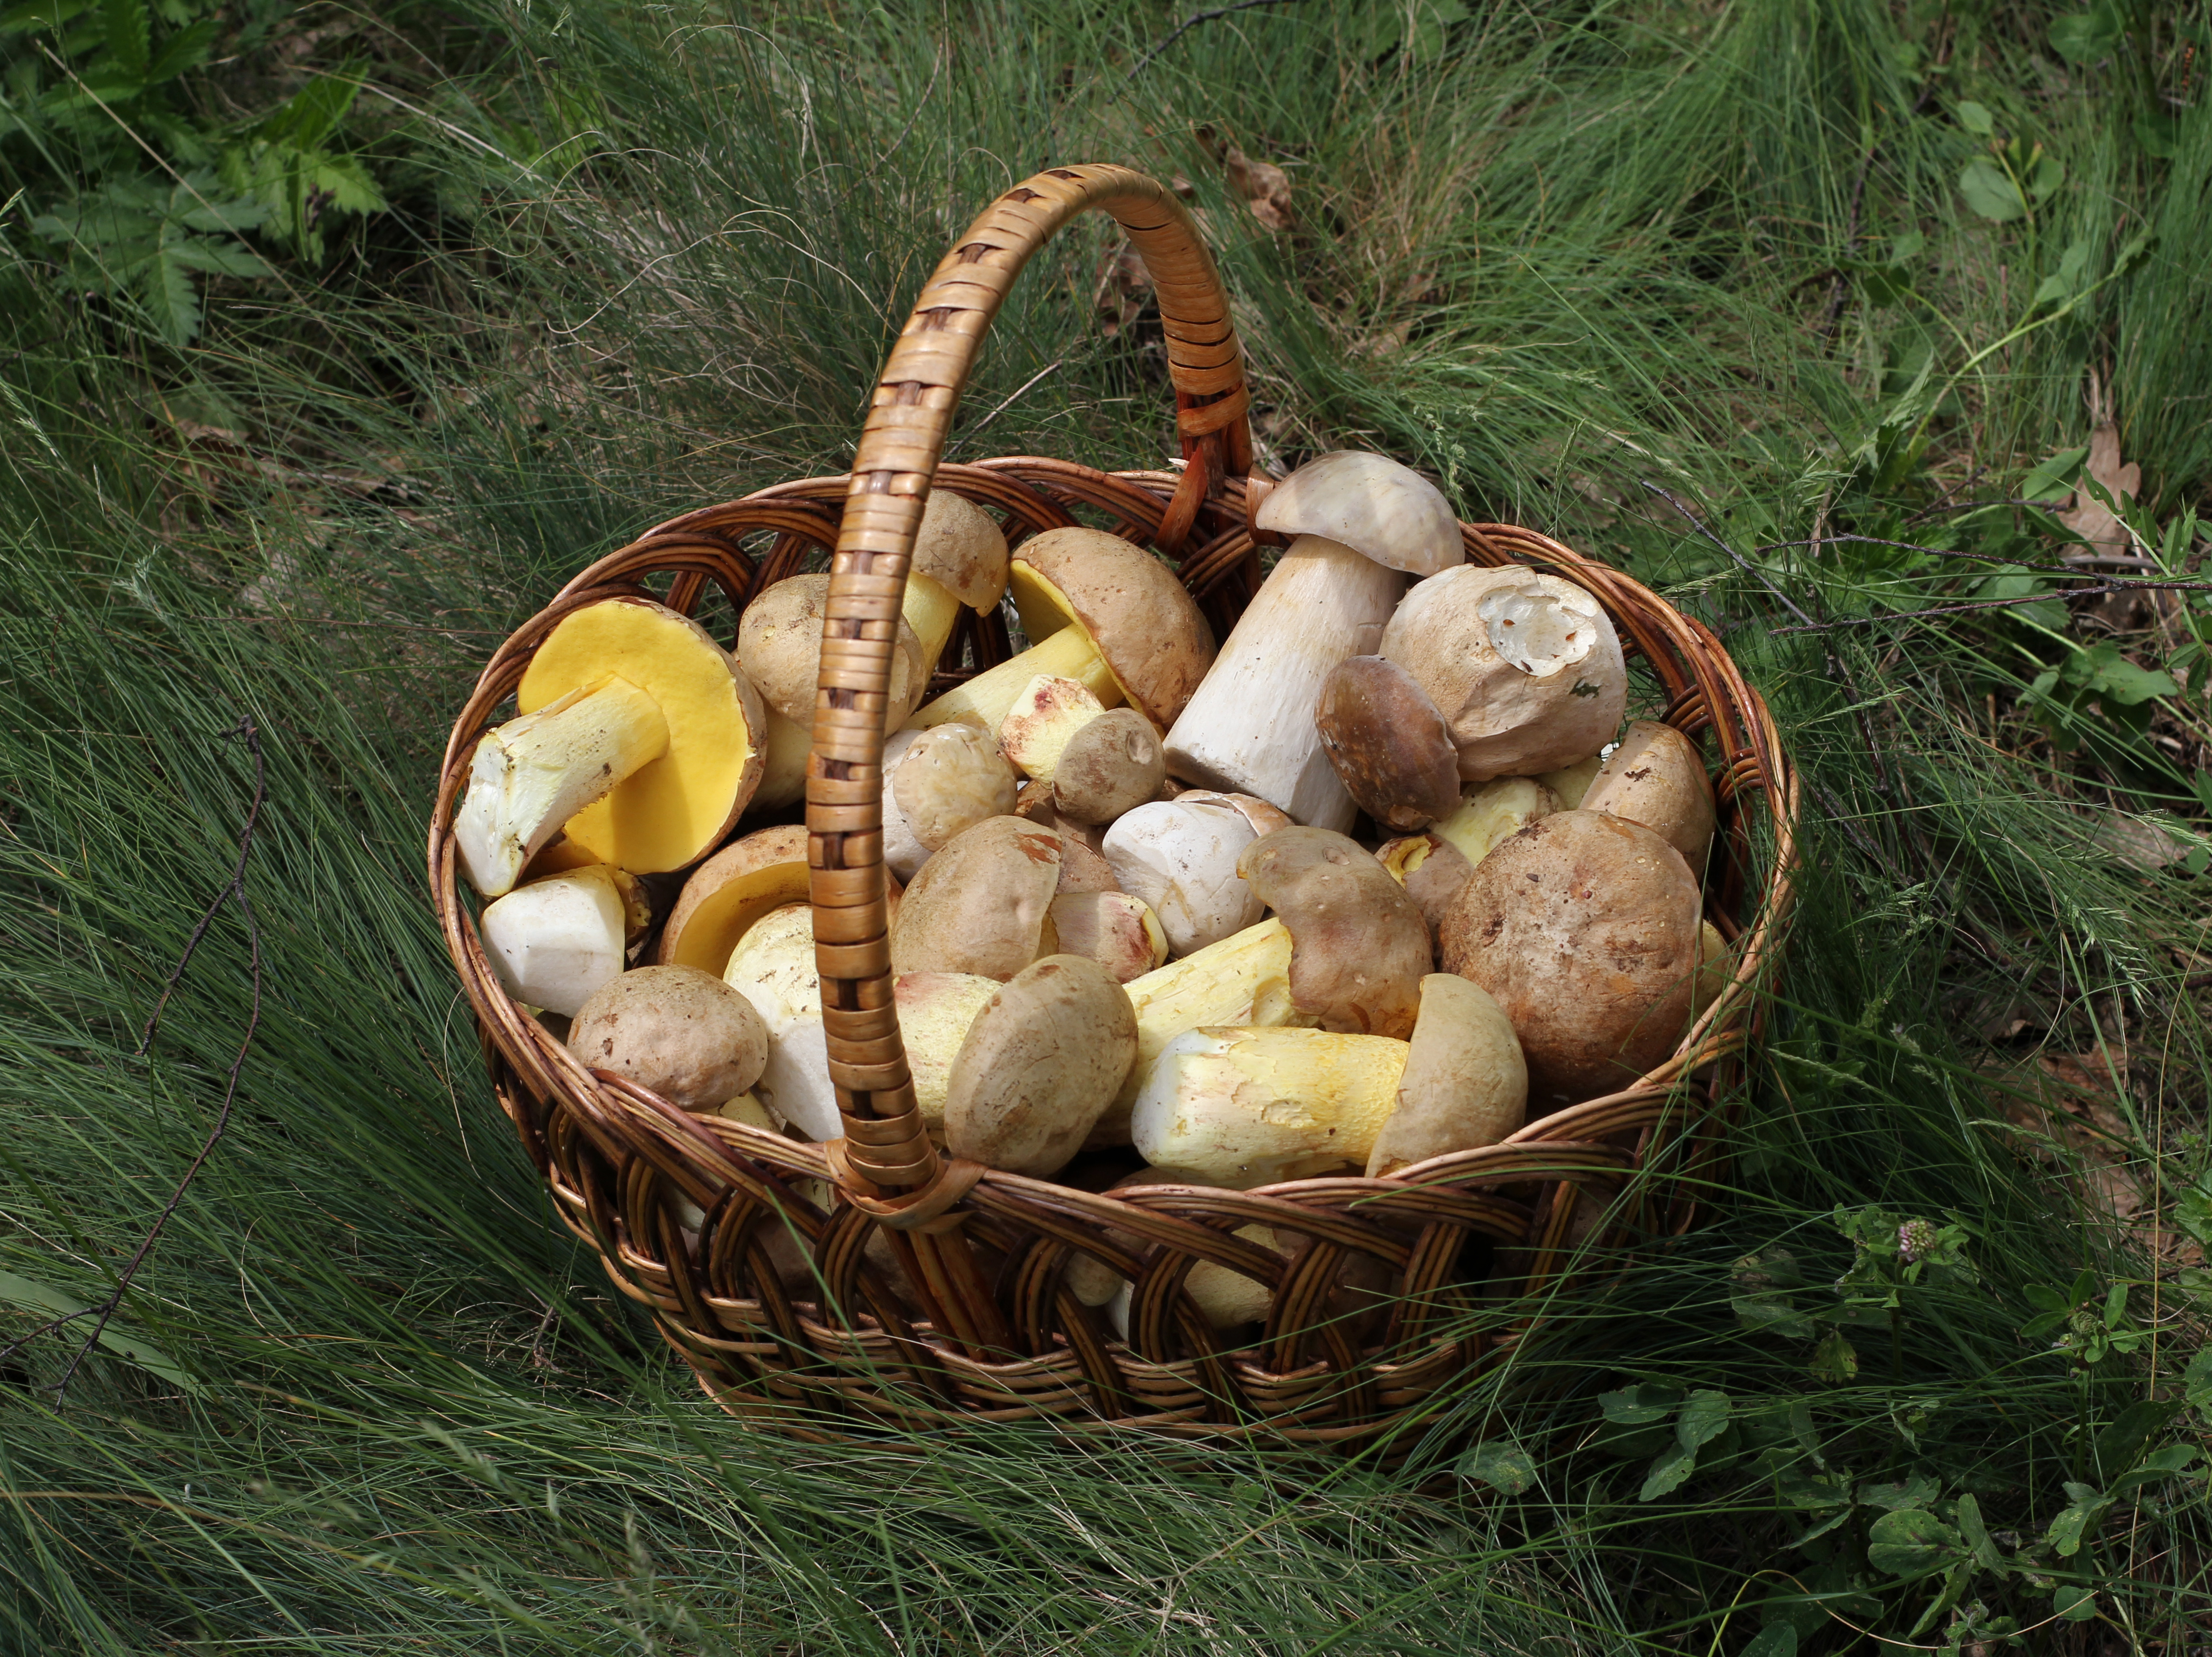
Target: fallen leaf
[[2139, 844], [1124, 288], [1266, 188], [2089, 518]]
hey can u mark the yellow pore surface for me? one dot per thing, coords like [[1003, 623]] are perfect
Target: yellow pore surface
[[711, 931], [664, 815], [1045, 610]]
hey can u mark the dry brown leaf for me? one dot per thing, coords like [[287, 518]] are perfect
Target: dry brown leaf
[[1266, 188], [2101, 533], [1124, 288]]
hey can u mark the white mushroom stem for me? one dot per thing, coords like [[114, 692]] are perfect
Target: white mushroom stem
[[1250, 1107], [555, 940], [534, 773], [988, 697], [773, 967], [1250, 729]]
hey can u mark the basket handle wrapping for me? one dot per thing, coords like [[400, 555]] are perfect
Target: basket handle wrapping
[[886, 1164]]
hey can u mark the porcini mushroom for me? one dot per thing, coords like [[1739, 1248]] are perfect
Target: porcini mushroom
[[1250, 726], [1571, 783], [1042, 1061], [959, 558], [1387, 743], [949, 779], [637, 736], [674, 1031], [732, 890], [1584, 929], [1526, 668], [1101, 609], [773, 967], [1360, 948], [555, 940], [1048, 712], [1180, 857], [1119, 932], [1655, 778], [1465, 1083], [1241, 1108], [981, 903], [935, 1010], [1110, 767], [1433, 866]]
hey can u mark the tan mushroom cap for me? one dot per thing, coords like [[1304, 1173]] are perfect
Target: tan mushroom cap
[[981, 903], [779, 647], [1040, 1064], [1655, 777], [1359, 946], [1430, 869], [1119, 932], [1142, 620], [669, 812], [1112, 764], [674, 1031], [1371, 504], [1465, 1083], [1264, 817], [1387, 742], [962, 548], [1585, 929], [949, 779], [1050, 710]]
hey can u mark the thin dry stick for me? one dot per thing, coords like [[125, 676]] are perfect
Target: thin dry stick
[[1742, 563], [2091, 591], [1194, 21], [233, 889]]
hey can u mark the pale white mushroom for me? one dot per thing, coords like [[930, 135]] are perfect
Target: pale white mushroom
[[773, 967], [1240, 1108], [1180, 858], [555, 940]]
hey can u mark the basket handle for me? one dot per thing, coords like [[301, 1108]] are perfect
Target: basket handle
[[886, 1164]]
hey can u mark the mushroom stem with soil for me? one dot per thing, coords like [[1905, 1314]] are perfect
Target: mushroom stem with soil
[[1242, 1107]]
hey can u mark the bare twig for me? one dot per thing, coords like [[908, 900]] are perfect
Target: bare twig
[[1192, 21], [2090, 591], [232, 891], [1742, 563]]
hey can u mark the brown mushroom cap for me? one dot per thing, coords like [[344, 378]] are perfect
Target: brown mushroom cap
[[1655, 777], [1143, 621], [1584, 929], [981, 902], [729, 891], [1111, 927], [951, 779], [779, 647], [675, 1031], [1359, 948], [1370, 503], [1387, 742], [1040, 1064], [961, 546], [1112, 764], [1430, 869], [1465, 1083]]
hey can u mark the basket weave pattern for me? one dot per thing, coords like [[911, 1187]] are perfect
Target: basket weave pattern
[[687, 1211]]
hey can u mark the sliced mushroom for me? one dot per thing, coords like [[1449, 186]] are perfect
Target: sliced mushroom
[[1240, 1108], [1387, 743], [555, 940], [981, 903], [674, 1031], [1526, 668], [1101, 610], [1655, 778], [1361, 947], [1042, 1061], [1180, 857], [1464, 1084], [637, 737]]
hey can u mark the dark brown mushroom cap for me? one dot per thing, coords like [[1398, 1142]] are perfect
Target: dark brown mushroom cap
[[1143, 620], [1389, 743], [1359, 945]]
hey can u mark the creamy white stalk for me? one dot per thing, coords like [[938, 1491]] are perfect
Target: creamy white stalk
[[1251, 1107], [773, 967], [1249, 728], [534, 773], [988, 697], [555, 940]]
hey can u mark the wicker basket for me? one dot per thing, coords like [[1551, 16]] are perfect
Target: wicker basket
[[1467, 1239]]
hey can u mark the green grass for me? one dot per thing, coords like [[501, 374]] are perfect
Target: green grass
[[642, 259]]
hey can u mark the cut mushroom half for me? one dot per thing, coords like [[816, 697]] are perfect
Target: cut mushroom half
[[1102, 611], [637, 736], [553, 942]]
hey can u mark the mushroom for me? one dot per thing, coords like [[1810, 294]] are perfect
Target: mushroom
[[1360, 946], [638, 738], [1655, 778], [981, 902], [1117, 931], [551, 943], [731, 891], [948, 780], [1525, 668], [1362, 523], [674, 1031], [1109, 768], [1240, 1107], [1571, 782], [1716, 967], [1225, 1299], [1264, 817], [779, 647], [1387, 742], [1180, 857], [959, 558], [746, 1109], [1584, 929], [1430, 869], [773, 967], [1090, 1279], [1040, 1064], [1465, 1083], [1434, 866], [935, 1010], [1048, 712], [1101, 609], [1081, 868]]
